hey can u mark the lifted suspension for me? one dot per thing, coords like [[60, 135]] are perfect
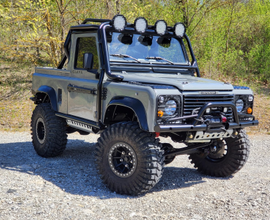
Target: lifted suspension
[[191, 149]]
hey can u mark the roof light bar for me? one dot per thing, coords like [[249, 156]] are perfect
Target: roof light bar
[[179, 30], [140, 25], [119, 22], [161, 27]]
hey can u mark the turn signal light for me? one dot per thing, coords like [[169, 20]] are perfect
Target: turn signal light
[[160, 113], [249, 110]]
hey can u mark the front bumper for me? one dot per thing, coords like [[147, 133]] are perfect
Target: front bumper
[[203, 127], [215, 127]]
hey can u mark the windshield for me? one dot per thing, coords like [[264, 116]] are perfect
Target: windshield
[[146, 49]]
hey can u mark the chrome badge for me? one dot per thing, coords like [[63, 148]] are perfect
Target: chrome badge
[[208, 92]]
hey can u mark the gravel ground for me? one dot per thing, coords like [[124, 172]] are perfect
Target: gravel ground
[[68, 187]]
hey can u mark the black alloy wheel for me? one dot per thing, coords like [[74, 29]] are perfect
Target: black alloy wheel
[[122, 160]]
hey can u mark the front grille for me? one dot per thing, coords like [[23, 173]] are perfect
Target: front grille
[[192, 102]]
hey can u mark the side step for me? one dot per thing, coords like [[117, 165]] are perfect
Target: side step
[[80, 123]]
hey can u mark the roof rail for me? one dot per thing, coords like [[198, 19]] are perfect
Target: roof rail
[[95, 20]]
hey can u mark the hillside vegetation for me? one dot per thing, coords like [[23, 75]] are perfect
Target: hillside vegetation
[[231, 40]]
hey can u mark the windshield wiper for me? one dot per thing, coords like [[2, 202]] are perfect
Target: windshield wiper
[[125, 56], [159, 58]]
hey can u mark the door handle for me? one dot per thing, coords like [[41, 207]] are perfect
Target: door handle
[[78, 89]]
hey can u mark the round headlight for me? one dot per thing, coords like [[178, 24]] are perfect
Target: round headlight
[[239, 105], [119, 22], [170, 107], [140, 24], [161, 27], [179, 29]]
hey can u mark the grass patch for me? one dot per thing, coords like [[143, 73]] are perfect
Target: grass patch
[[15, 91], [15, 115]]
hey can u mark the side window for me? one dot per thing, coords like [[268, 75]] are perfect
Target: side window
[[86, 45]]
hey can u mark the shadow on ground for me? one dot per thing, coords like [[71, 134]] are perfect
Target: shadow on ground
[[74, 171]]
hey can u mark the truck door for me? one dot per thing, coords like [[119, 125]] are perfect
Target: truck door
[[82, 86]]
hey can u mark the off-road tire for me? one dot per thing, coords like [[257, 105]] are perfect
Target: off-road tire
[[48, 131], [144, 159], [235, 158]]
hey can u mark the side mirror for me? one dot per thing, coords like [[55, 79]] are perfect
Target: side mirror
[[88, 61]]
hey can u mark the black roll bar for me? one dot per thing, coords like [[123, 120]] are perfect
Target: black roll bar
[[66, 51], [194, 61], [104, 50], [95, 20]]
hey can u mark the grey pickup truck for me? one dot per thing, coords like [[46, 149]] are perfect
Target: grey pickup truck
[[131, 83]]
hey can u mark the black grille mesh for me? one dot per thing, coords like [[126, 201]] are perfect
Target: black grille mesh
[[192, 102]]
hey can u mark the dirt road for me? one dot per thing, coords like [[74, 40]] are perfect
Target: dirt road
[[68, 187]]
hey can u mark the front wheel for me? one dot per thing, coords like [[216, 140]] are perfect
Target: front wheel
[[225, 159], [128, 159]]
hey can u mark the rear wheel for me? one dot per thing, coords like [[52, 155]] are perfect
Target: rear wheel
[[48, 131], [224, 158], [129, 160]]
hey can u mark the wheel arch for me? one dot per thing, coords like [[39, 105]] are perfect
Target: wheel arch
[[46, 94], [132, 104]]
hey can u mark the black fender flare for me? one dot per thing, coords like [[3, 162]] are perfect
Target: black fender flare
[[49, 91], [135, 105]]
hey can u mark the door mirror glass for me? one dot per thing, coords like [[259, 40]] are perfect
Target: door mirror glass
[[88, 61]]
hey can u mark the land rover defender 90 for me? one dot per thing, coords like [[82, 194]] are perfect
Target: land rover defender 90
[[131, 83]]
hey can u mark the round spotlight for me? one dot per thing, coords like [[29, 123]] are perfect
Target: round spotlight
[[140, 25], [179, 29], [161, 27], [119, 22]]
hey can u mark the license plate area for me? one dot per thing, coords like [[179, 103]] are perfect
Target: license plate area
[[203, 135]]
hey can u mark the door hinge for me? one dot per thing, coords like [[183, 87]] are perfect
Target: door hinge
[[104, 94]]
